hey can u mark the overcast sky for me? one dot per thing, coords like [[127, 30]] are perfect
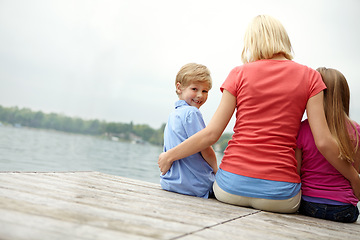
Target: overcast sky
[[117, 60]]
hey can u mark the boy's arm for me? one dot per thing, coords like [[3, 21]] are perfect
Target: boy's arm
[[210, 157]]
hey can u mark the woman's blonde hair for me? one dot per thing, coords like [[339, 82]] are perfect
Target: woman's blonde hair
[[264, 38], [193, 73], [336, 106]]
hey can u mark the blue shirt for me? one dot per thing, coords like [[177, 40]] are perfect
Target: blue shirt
[[191, 175], [255, 187]]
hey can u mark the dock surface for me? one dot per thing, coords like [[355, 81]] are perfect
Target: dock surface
[[93, 205]]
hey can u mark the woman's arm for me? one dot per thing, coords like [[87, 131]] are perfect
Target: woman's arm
[[210, 157], [204, 138], [326, 144]]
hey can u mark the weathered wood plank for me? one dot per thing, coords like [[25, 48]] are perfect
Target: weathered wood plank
[[124, 207], [135, 200], [92, 205], [33, 226], [278, 226]]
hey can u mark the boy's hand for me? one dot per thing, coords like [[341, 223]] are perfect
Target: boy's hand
[[164, 163]]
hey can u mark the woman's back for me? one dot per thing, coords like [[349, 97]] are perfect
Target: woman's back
[[271, 96]]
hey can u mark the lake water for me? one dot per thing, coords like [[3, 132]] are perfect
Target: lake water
[[26, 149]]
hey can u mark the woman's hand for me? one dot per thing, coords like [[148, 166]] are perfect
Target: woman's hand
[[203, 139], [356, 187], [164, 163]]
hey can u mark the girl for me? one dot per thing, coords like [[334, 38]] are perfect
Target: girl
[[326, 193], [270, 94]]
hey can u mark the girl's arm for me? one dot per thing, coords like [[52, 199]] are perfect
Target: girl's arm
[[357, 155], [326, 144], [210, 157], [357, 161], [298, 156], [204, 138]]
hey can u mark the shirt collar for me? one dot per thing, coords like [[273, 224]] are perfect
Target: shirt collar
[[181, 103]]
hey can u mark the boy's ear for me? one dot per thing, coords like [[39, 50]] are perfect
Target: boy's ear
[[178, 88]]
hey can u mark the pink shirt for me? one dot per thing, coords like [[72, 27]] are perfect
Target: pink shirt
[[319, 178], [271, 97]]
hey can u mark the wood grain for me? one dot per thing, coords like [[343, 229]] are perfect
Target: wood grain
[[93, 205]]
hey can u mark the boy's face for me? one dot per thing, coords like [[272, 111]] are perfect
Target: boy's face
[[195, 94]]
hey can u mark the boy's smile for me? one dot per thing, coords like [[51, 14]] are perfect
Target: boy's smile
[[195, 94]]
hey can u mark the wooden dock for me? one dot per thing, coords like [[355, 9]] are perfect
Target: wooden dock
[[93, 205]]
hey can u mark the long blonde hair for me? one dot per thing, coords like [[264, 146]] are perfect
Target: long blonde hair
[[336, 106], [264, 38]]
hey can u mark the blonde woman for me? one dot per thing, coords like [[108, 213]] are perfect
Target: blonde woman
[[270, 93], [326, 193]]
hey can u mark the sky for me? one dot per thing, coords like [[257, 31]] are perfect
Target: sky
[[116, 60]]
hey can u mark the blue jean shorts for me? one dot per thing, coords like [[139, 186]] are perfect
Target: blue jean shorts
[[338, 213]]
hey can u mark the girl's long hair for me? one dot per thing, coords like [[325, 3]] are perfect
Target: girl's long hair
[[336, 106]]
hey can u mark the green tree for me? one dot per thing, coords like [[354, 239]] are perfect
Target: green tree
[[223, 141], [37, 120], [144, 131], [60, 122], [158, 136]]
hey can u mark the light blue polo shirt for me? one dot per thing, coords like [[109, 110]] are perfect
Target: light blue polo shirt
[[191, 175]]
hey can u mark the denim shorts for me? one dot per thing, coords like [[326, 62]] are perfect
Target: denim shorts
[[339, 213]]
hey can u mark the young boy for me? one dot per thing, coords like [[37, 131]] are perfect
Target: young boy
[[193, 175]]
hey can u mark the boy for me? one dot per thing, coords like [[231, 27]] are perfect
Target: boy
[[193, 175]]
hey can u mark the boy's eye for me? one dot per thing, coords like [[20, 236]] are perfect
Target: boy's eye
[[194, 89], [205, 91]]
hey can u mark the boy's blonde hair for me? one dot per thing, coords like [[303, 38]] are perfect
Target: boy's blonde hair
[[193, 73], [264, 38], [336, 106]]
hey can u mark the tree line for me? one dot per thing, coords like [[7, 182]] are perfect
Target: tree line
[[114, 130]]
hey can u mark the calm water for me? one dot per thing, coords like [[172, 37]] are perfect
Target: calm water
[[24, 149]]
